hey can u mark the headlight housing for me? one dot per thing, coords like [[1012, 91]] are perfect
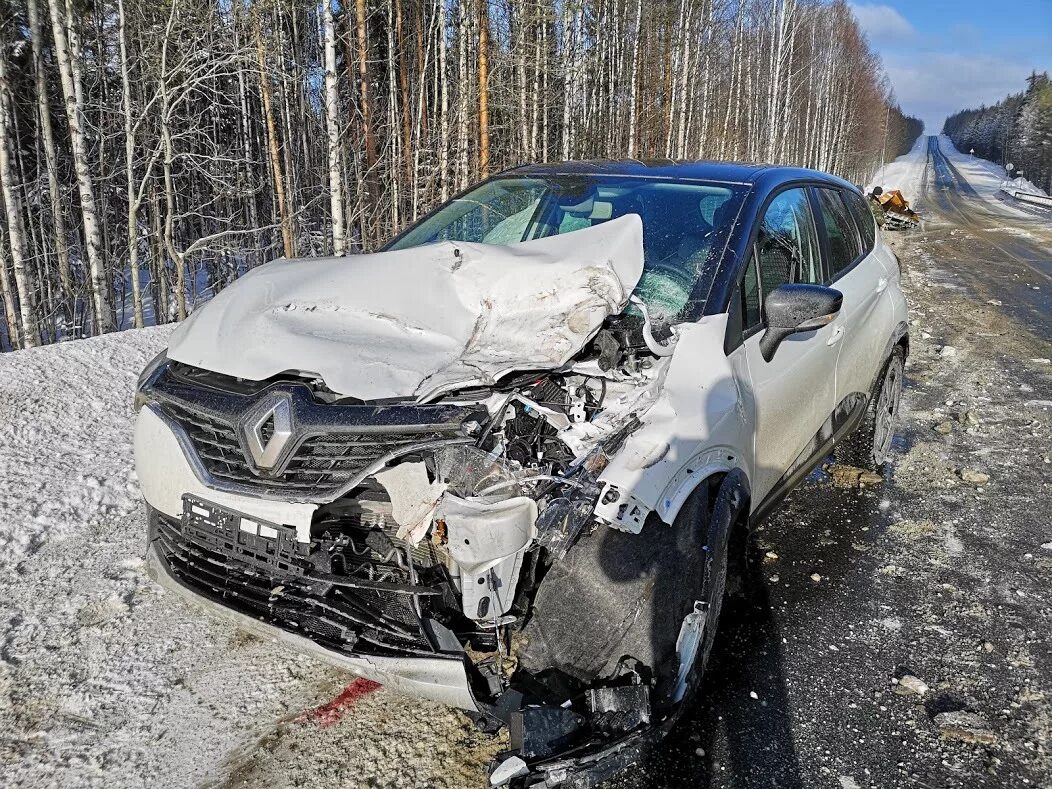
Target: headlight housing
[[146, 379]]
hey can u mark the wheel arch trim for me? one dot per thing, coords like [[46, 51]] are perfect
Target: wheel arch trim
[[701, 467]]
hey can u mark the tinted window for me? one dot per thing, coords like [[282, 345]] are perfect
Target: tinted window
[[840, 230], [864, 218], [786, 251], [685, 225]]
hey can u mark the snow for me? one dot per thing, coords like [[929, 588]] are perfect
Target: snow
[[906, 173], [472, 313], [59, 464], [108, 681], [1023, 185]]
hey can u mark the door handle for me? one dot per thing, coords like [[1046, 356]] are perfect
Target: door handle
[[882, 284], [836, 336]]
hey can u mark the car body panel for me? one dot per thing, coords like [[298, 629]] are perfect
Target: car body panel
[[443, 680], [472, 313]]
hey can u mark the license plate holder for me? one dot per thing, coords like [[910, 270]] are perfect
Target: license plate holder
[[262, 545]]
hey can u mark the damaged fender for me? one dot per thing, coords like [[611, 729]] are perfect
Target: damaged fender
[[691, 432]]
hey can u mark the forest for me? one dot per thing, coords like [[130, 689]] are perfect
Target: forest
[[152, 152], [1015, 131]]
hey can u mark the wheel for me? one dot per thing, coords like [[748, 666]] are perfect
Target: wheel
[[717, 513], [870, 445]]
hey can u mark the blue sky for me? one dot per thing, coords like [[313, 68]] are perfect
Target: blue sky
[[946, 55]]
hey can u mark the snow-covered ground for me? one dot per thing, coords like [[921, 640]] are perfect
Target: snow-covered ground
[[906, 173], [108, 681], [1023, 185]]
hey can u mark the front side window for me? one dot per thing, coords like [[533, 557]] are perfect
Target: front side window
[[786, 251], [685, 225], [786, 246], [844, 246]]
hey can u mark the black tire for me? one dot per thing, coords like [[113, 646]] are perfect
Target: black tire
[[719, 515], [870, 445]]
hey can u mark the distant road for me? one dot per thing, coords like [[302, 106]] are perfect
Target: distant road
[[1004, 251]]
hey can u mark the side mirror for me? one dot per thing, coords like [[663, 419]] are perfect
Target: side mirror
[[791, 309]]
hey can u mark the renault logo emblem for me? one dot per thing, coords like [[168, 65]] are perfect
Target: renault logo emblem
[[268, 430]]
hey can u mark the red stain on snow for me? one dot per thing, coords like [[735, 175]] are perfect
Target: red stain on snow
[[329, 714]]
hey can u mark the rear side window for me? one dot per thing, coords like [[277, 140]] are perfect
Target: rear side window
[[840, 230], [864, 219]]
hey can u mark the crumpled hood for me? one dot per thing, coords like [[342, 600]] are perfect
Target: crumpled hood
[[418, 321]]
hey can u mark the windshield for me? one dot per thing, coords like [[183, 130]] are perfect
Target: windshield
[[685, 225]]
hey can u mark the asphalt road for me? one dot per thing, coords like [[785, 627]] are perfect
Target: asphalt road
[[925, 574], [1009, 249]]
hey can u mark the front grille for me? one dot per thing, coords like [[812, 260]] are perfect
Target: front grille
[[320, 465], [307, 601]]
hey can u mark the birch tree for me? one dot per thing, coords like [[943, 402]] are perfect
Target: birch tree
[[72, 94]]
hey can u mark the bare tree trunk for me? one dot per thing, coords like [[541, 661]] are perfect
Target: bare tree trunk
[[403, 88], [85, 186], [10, 188], [462, 96], [275, 155], [14, 337], [520, 71], [394, 143], [633, 86], [443, 143], [129, 169], [48, 139], [363, 84], [332, 118], [483, 88]]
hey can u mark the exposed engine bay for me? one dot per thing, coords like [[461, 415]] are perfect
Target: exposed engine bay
[[446, 548]]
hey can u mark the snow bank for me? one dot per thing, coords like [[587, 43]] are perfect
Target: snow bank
[[65, 439], [1023, 185], [106, 680], [906, 173]]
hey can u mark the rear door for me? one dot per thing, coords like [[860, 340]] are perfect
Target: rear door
[[860, 332], [792, 395]]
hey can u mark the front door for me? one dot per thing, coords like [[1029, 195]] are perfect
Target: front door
[[793, 393]]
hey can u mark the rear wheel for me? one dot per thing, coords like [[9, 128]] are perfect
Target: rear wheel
[[870, 445]]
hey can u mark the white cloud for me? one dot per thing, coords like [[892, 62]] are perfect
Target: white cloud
[[883, 24], [934, 85]]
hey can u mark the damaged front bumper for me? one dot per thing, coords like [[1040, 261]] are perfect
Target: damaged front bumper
[[559, 748], [439, 677]]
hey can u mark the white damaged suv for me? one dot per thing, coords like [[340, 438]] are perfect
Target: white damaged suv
[[510, 461]]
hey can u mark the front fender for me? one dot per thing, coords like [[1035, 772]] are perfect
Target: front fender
[[698, 427]]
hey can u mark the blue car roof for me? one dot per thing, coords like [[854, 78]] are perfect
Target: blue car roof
[[726, 172]]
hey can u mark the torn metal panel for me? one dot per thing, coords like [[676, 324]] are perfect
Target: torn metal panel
[[414, 498], [475, 312], [486, 539]]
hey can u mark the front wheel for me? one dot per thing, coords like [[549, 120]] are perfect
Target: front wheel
[[721, 524], [870, 445]]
